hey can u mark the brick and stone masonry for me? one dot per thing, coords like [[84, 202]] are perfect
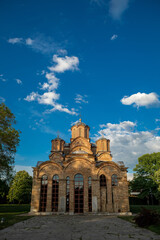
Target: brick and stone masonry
[[95, 182]]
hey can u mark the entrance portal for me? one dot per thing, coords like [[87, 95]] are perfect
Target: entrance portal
[[78, 193]]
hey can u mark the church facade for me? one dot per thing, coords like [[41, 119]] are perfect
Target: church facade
[[80, 177]]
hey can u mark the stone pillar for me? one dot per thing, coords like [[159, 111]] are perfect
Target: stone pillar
[[71, 197], [109, 196], [62, 196], [85, 195], [103, 199], [95, 195], [36, 191], [49, 196], [115, 199]]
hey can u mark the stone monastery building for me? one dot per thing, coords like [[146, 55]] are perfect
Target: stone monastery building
[[80, 177]]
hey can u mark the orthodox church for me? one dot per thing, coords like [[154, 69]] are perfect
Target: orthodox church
[[80, 177]]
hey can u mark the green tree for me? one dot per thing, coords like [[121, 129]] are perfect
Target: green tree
[[21, 187], [9, 140], [147, 177]]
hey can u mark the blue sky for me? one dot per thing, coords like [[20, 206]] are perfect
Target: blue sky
[[97, 58]]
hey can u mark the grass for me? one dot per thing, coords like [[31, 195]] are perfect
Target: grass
[[136, 209], [10, 212]]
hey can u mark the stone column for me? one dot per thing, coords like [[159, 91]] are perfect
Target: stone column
[[115, 199], [36, 191], [71, 197], [103, 199], [109, 196], [95, 195], [85, 196], [49, 196], [62, 196]]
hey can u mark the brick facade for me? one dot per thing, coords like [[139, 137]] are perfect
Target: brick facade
[[80, 159]]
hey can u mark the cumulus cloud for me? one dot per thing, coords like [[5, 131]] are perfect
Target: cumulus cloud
[[127, 143], [64, 63], [15, 40], [80, 99], [117, 8], [50, 96], [141, 100], [19, 81], [114, 37]]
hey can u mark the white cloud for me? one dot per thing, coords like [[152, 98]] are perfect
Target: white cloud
[[64, 63], [15, 40], [29, 41], [117, 8], [52, 83], [127, 143], [80, 99], [114, 36], [2, 78], [157, 120], [50, 97], [2, 99], [39, 43], [28, 169], [141, 100], [19, 81], [129, 176]]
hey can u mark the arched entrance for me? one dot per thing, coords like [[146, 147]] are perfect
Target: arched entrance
[[78, 193]]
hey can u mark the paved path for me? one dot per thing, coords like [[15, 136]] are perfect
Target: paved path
[[75, 228]]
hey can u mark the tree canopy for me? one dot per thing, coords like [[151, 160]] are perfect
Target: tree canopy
[[21, 187], [9, 140], [149, 167], [147, 177]]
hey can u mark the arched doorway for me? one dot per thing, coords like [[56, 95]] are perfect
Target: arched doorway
[[78, 193]]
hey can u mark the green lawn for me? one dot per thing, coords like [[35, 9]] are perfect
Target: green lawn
[[10, 212]]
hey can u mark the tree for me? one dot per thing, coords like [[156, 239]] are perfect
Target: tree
[[9, 140], [147, 177], [21, 187], [149, 167]]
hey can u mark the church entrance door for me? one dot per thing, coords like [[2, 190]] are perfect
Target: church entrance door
[[78, 193]]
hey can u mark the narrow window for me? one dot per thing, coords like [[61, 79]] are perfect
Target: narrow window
[[80, 132], [55, 190], [43, 197], [89, 194], [114, 180], [102, 181], [67, 194], [78, 193]]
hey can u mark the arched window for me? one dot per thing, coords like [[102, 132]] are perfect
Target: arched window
[[114, 180], [102, 181], [78, 193], [43, 197], [67, 194], [55, 190], [90, 194], [80, 132]]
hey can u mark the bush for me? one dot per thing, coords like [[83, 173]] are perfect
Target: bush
[[147, 217]]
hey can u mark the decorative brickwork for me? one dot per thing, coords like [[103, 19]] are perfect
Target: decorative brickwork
[[81, 177]]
